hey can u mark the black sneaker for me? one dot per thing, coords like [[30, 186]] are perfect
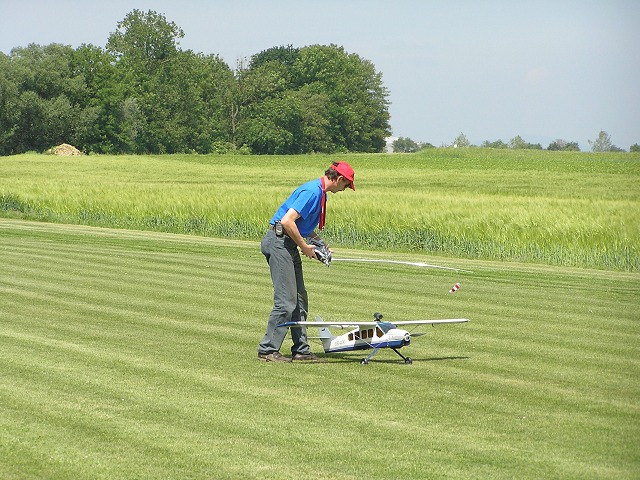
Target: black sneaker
[[305, 357], [273, 357]]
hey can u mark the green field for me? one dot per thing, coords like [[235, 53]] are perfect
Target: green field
[[554, 208], [133, 296], [132, 355]]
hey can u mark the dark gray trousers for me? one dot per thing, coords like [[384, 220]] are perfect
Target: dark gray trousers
[[290, 301]]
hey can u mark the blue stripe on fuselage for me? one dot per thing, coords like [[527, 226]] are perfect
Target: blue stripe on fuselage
[[360, 345]]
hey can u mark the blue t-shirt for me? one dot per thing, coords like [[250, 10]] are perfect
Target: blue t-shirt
[[306, 200]]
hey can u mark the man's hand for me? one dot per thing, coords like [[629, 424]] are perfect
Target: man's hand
[[309, 250], [323, 252]]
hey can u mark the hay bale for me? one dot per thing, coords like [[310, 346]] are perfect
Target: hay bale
[[65, 150]]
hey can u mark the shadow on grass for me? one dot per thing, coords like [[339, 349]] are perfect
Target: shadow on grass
[[351, 358]]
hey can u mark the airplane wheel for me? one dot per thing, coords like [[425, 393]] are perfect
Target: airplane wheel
[[408, 361], [364, 361]]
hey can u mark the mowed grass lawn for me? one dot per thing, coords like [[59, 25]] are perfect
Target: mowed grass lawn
[[132, 355]]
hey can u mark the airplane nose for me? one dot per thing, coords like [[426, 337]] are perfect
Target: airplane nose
[[407, 338]]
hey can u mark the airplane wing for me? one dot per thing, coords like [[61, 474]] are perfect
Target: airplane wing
[[329, 324], [370, 324], [429, 322]]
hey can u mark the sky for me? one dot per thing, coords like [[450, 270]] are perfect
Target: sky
[[491, 70]]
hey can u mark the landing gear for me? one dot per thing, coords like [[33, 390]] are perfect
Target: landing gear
[[407, 360], [365, 361]]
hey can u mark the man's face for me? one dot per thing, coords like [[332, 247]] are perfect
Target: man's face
[[343, 183], [338, 185]]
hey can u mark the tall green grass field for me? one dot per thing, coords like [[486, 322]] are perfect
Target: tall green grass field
[[560, 208]]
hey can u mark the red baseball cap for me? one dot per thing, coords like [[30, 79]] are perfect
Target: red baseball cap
[[344, 169]]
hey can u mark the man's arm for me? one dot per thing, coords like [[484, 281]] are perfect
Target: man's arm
[[289, 224]]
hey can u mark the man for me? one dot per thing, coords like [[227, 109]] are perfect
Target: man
[[296, 220]]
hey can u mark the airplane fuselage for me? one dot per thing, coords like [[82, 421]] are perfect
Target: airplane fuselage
[[366, 338]]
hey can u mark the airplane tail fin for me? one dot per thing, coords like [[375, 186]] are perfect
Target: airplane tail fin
[[325, 336]]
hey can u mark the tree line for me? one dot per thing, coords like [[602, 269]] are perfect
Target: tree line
[[144, 94], [602, 143]]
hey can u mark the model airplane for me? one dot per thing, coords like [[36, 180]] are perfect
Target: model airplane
[[368, 335]]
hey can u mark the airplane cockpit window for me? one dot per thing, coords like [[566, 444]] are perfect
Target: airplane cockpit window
[[364, 334], [367, 333]]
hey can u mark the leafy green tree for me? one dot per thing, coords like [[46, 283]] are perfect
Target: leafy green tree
[[143, 46], [267, 76], [214, 83], [270, 126], [144, 40], [563, 145], [97, 122], [602, 143], [461, 141], [517, 143], [169, 100], [315, 127], [336, 102], [29, 130], [358, 108], [405, 145], [634, 148], [8, 106], [48, 99], [497, 144], [285, 56], [264, 120]]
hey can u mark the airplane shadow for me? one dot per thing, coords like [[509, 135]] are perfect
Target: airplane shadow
[[351, 358]]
